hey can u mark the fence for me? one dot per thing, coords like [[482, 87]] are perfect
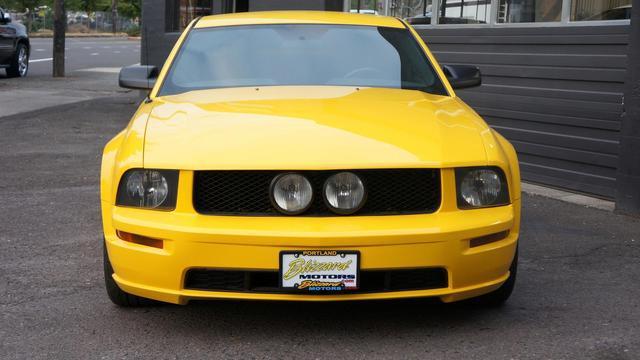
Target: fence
[[78, 22]]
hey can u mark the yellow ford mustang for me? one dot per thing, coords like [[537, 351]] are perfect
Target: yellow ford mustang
[[307, 156]]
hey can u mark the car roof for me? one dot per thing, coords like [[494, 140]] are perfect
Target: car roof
[[298, 17]]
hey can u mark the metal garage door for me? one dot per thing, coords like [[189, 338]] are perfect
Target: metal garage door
[[554, 92]]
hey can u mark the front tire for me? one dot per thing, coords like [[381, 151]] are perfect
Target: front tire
[[19, 66], [117, 295]]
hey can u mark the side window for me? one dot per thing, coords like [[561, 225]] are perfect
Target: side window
[[464, 12], [459, 12], [529, 11], [586, 10], [416, 12]]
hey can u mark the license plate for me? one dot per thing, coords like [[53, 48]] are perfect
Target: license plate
[[319, 270]]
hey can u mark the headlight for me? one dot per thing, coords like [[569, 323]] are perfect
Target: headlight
[[344, 193], [481, 187], [151, 189], [291, 193]]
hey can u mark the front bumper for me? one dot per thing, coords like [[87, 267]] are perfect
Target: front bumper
[[191, 240]]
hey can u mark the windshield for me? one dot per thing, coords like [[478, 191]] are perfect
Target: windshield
[[273, 55]]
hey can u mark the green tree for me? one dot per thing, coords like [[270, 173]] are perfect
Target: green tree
[[129, 8], [21, 5]]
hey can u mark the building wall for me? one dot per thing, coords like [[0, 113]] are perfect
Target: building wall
[[554, 92], [264, 5], [156, 42]]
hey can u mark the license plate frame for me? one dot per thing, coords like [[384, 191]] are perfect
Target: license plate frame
[[319, 281]]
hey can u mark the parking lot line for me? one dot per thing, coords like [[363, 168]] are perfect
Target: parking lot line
[[40, 60]]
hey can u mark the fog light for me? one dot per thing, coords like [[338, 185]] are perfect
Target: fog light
[[291, 194], [344, 193]]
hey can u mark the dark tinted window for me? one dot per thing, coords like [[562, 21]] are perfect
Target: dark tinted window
[[272, 55], [617, 14], [582, 10]]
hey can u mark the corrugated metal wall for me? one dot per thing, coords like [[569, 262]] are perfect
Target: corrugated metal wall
[[554, 92]]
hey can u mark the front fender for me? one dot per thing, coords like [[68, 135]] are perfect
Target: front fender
[[514, 167], [123, 152], [107, 168], [23, 40]]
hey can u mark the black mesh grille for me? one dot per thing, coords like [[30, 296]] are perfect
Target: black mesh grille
[[267, 281], [389, 192]]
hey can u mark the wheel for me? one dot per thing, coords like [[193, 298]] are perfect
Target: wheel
[[19, 65], [499, 296], [117, 295]]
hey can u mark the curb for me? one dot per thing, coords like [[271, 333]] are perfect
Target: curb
[[568, 197]]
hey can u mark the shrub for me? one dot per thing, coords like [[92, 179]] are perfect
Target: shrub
[[134, 30]]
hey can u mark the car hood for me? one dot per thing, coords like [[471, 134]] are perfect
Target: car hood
[[302, 128]]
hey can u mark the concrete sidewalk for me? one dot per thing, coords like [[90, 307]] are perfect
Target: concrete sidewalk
[[35, 93], [579, 199]]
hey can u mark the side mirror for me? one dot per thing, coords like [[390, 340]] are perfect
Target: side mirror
[[141, 77], [462, 76], [5, 18]]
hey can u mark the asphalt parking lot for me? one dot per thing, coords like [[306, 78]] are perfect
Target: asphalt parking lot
[[576, 297]]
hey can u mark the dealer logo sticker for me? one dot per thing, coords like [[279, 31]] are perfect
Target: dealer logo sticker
[[319, 270]]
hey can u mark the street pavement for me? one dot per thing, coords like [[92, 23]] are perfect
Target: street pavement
[[83, 54], [576, 297]]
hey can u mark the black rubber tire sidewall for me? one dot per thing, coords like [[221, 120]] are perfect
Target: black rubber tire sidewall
[[13, 69]]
